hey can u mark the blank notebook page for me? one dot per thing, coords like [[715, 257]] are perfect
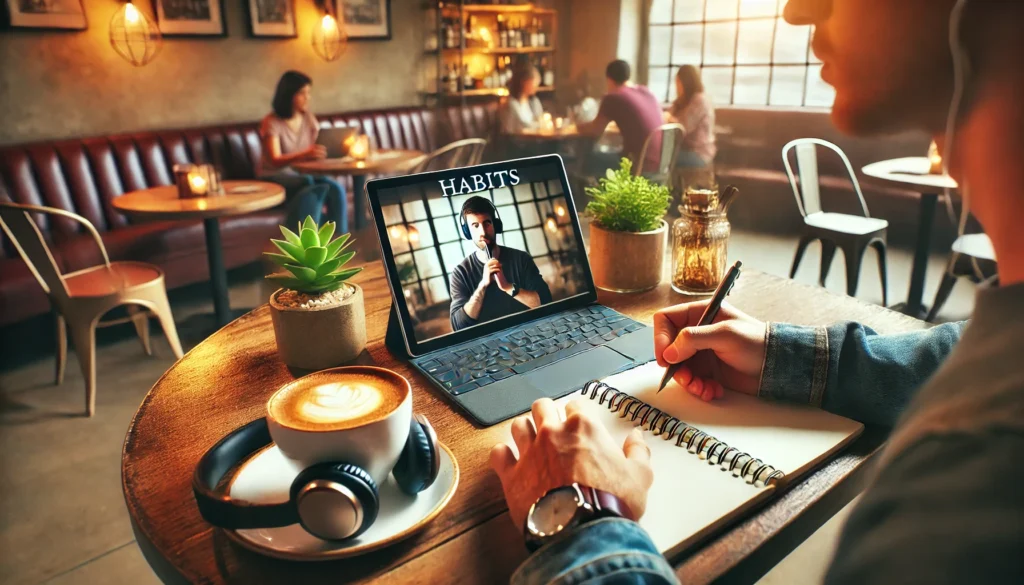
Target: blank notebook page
[[690, 496]]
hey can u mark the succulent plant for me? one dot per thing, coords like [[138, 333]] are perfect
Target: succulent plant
[[314, 262]]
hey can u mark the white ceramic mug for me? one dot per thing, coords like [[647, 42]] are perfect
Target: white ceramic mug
[[374, 440]]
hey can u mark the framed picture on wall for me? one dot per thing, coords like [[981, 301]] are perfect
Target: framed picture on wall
[[61, 14], [272, 18], [366, 19], [188, 18]]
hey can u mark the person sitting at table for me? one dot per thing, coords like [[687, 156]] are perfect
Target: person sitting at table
[[522, 109], [693, 109], [289, 135], [945, 502], [636, 112]]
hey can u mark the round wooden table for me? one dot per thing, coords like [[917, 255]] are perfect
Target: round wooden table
[[240, 197], [379, 161], [913, 172]]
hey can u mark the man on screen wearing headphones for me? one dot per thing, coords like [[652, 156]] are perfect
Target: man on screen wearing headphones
[[945, 504], [493, 281]]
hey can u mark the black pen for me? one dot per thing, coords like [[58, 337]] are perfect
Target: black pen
[[709, 313]]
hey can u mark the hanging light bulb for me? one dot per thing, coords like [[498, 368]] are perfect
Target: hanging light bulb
[[414, 235], [133, 36], [329, 39]]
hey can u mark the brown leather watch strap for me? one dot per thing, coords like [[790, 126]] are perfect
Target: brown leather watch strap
[[604, 503]]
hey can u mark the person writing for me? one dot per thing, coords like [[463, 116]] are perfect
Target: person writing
[[493, 281], [289, 135], [693, 109], [636, 112], [945, 502], [522, 110]]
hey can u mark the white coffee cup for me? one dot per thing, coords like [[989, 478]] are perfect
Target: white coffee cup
[[356, 414]]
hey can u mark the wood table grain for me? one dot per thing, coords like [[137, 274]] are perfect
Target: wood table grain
[[225, 381]]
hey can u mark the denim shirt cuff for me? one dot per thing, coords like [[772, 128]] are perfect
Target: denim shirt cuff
[[795, 364], [597, 550]]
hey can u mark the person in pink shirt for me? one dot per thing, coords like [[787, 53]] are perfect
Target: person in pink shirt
[[636, 112], [694, 110]]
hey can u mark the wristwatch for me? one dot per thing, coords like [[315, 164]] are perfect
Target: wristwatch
[[515, 290], [560, 510]]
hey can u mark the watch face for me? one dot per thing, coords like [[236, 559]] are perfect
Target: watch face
[[554, 511]]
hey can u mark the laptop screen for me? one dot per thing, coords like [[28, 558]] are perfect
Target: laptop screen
[[478, 246]]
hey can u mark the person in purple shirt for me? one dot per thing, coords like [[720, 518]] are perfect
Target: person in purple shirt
[[636, 112]]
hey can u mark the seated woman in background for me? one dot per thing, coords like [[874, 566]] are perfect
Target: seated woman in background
[[289, 135], [522, 110], [694, 110]]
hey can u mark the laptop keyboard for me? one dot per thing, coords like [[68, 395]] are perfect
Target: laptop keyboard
[[526, 348]]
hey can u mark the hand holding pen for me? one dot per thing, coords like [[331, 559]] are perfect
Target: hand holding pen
[[726, 352]]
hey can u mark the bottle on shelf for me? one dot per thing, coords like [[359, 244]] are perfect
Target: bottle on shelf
[[542, 70], [534, 34], [542, 35], [467, 79], [453, 80], [548, 77], [519, 34], [502, 32]]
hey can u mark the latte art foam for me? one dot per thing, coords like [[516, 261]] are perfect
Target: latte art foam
[[340, 402], [340, 399]]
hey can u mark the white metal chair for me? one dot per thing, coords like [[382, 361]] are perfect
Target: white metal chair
[[672, 136], [851, 233], [969, 251], [82, 297]]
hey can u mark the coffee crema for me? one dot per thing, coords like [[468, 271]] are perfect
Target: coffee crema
[[329, 401]]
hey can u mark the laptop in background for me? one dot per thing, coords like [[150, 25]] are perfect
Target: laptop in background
[[543, 336], [336, 140]]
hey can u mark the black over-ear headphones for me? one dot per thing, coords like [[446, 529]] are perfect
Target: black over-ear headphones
[[496, 221], [332, 500]]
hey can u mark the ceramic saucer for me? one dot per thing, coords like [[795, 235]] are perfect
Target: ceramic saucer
[[267, 477]]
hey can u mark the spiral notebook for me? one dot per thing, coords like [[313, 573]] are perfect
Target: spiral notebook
[[713, 461]]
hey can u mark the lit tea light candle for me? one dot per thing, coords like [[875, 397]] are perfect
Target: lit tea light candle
[[551, 224], [197, 184], [559, 123], [560, 211], [360, 148], [934, 159]]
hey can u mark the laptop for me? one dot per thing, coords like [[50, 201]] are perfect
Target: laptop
[[336, 140], [494, 339]]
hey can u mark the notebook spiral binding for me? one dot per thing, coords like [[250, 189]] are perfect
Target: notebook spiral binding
[[752, 470]]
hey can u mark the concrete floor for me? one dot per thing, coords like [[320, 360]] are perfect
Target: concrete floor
[[62, 515]]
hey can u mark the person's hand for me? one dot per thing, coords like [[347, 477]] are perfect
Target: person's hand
[[491, 267], [316, 152], [554, 453], [728, 352]]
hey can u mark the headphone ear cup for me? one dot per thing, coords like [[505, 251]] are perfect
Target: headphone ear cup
[[415, 470], [320, 522], [498, 226], [465, 228]]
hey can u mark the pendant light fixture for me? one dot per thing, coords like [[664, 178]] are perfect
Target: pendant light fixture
[[329, 38], [133, 36]]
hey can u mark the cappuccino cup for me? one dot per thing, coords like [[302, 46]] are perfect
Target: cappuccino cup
[[356, 414]]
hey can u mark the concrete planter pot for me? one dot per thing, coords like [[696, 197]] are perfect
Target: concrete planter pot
[[319, 337], [627, 261]]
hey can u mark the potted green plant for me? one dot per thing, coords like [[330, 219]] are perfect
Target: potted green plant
[[319, 319], [627, 230]]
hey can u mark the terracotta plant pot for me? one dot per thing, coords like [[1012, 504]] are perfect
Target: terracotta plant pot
[[627, 261], [319, 337]]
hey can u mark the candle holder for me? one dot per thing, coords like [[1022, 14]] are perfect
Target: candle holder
[[195, 181], [360, 149]]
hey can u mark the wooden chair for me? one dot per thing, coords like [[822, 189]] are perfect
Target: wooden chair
[[851, 233], [969, 250], [461, 153], [80, 298]]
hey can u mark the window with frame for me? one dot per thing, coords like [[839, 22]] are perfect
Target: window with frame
[[747, 53]]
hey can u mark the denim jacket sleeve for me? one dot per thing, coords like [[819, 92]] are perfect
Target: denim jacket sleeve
[[611, 551], [848, 369]]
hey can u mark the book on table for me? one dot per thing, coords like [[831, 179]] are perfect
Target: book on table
[[713, 461]]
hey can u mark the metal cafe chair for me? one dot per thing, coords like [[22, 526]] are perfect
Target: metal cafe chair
[[461, 153], [851, 233], [969, 251], [82, 297], [672, 136]]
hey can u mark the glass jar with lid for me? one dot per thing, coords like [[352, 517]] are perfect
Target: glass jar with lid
[[700, 240]]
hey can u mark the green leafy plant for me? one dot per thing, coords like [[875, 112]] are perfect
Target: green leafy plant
[[624, 203], [315, 263]]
